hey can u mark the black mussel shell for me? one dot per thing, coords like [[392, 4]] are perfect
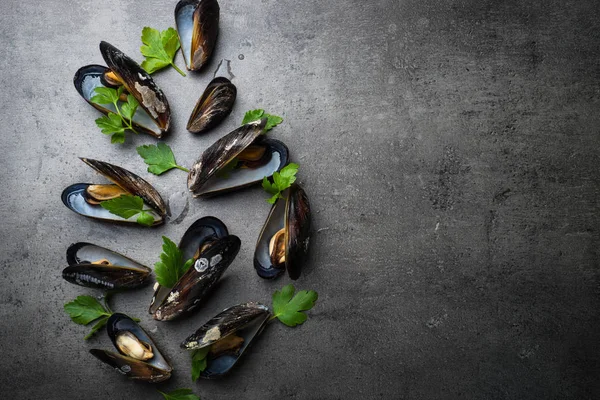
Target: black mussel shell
[[198, 281], [202, 231], [89, 77], [213, 106], [84, 268], [245, 320], [206, 177], [292, 213], [139, 83], [197, 23], [156, 369]]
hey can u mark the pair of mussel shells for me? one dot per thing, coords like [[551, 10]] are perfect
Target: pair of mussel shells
[[227, 335], [206, 241]]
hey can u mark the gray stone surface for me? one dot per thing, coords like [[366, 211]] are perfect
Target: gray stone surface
[[450, 151]]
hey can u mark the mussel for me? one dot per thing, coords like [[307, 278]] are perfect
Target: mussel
[[228, 334], [153, 116], [138, 357], [213, 250], [239, 159], [213, 106], [96, 267], [283, 241], [85, 198], [197, 23]]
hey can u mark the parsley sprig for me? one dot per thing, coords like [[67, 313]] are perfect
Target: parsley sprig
[[126, 206], [115, 124], [253, 115], [159, 157], [281, 181], [180, 394], [171, 266], [86, 309], [159, 49]]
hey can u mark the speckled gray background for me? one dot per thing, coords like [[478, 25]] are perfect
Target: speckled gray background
[[450, 150]]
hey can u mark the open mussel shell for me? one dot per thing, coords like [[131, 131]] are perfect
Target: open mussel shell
[[213, 106], [76, 197], [292, 214], [197, 23], [152, 368], [198, 281], [245, 321], [97, 267], [153, 114], [207, 176], [200, 234]]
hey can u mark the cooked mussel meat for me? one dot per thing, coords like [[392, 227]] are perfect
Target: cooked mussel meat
[[284, 239], [97, 267], [211, 247], [85, 198], [153, 115], [138, 357], [239, 159], [213, 106], [197, 23], [227, 336]]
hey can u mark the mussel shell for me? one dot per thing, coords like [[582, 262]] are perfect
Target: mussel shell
[[203, 179], [197, 282], [89, 77], [292, 213], [245, 320], [201, 16], [139, 83], [201, 231], [156, 369], [130, 182], [213, 106]]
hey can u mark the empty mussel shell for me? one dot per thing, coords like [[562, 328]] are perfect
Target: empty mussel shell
[[239, 326], [239, 159], [82, 198], [153, 115], [97, 267], [138, 357], [197, 23], [199, 235], [287, 225], [213, 106]]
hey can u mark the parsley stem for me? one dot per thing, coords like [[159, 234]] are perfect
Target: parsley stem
[[177, 69], [128, 122], [182, 168]]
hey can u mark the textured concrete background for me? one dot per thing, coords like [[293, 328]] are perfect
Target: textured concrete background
[[450, 152]]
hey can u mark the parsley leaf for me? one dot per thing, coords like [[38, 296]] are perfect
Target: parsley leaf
[[86, 309], [199, 362], [171, 266], [115, 124], [289, 309], [253, 115], [126, 206], [159, 157], [180, 394], [159, 49], [281, 181]]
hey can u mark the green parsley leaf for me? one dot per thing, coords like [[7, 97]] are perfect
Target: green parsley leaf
[[111, 123], [160, 158], [85, 309], [104, 95], [159, 49], [126, 206], [281, 181], [99, 325], [171, 266], [253, 115], [128, 109], [199, 362], [118, 137], [180, 394], [288, 308]]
